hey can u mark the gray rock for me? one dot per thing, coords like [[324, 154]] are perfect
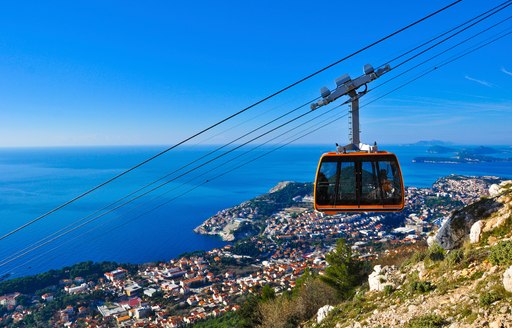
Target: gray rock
[[323, 312], [431, 240], [507, 279], [494, 190], [496, 324], [475, 232], [456, 229]]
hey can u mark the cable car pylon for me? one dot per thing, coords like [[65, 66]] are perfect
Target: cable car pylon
[[357, 177]]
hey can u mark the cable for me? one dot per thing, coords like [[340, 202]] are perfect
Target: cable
[[254, 159], [177, 170], [456, 33], [443, 34], [187, 172], [401, 86], [39, 245], [193, 161], [222, 121], [330, 121], [441, 53], [439, 66]]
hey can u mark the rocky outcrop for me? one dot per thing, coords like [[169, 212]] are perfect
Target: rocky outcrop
[[323, 312], [507, 279], [281, 185], [475, 232], [503, 195], [494, 210], [458, 305], [382, 277]]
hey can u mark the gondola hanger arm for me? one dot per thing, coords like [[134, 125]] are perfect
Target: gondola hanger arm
[[346, 86]]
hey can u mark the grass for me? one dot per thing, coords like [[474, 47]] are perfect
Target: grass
[[427, 321]]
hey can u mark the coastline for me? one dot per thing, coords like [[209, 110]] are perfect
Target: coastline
[[205, 284]]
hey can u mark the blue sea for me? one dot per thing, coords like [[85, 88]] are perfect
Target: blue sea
[[157, 226]]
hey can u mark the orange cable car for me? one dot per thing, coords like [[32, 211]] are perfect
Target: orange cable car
[[358, 182], [357, 177]]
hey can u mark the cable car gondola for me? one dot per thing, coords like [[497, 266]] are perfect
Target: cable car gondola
[[358, 181], [357, 177]]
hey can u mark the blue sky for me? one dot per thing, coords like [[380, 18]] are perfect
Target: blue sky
[[134, 73]]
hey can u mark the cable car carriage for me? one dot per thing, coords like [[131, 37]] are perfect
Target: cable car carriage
[[358, 181], [357, 177]]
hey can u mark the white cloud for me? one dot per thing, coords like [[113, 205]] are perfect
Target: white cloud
[[505, 71], [482, 82]]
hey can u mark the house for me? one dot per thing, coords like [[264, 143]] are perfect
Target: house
[[132, 289], [149, 292], [122, 319], [9, 299], [197, 281], [117, 274], [79, 280], [76, 289], [141, 312], [48, 297], [192, 300], [134, 302]]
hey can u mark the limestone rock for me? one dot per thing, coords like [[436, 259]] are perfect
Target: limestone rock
[[494, 190], [431, 240], [281, 185], [507, 279], [456, 229], [496, 324], [381, 277], [323, 312], [475, 232]]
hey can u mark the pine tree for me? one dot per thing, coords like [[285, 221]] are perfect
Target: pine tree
[[343, 272]]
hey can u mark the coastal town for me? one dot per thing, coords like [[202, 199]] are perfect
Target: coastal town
[[207, 284]]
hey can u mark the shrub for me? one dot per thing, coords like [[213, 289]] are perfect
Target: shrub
[[436, 253], [388, 290], [454, 257], [302, 304], [501, 254], [415, 258], [427, 321], [421, 287], [488, 298]]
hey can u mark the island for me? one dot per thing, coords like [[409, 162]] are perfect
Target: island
[[464, 155]]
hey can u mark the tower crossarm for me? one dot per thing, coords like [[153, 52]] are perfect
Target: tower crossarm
[[346, 86]]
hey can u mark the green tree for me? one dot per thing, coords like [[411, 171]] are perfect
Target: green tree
[[343, 272], [249, 314], [267, 293]]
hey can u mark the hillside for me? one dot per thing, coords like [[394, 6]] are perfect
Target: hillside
[[467, 286], [243, 220]]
